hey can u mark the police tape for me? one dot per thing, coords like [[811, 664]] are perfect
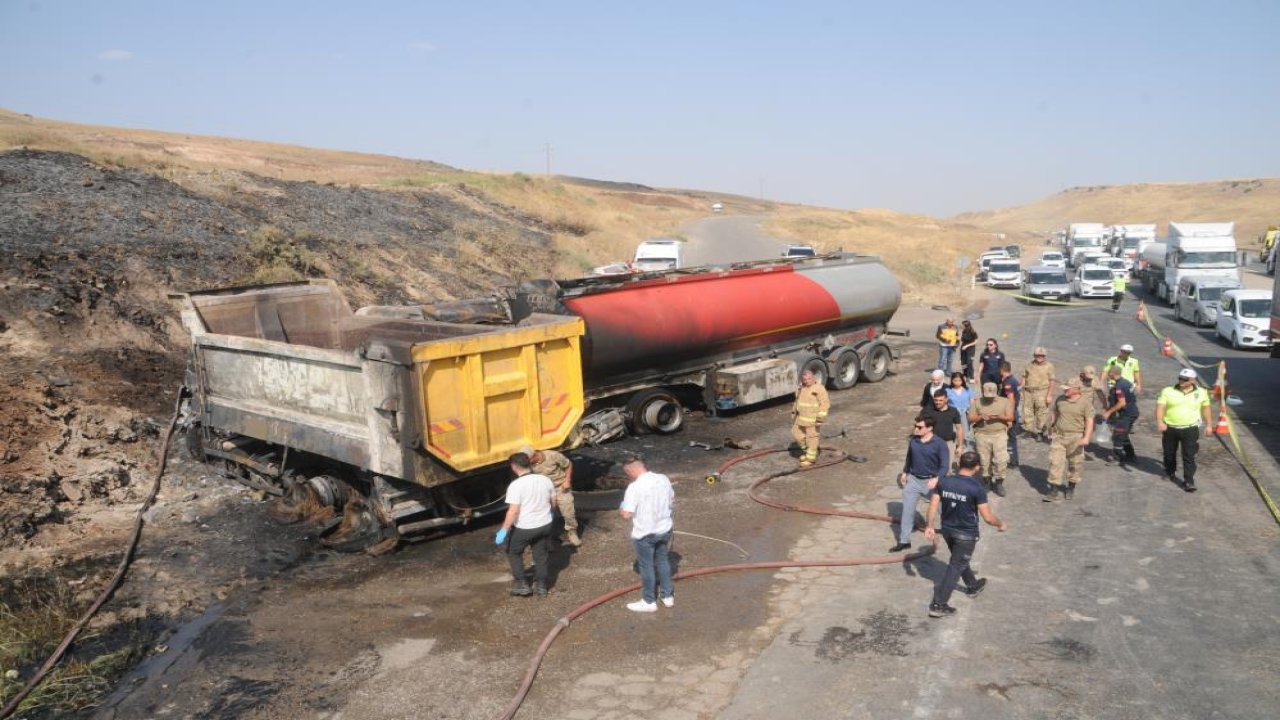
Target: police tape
[[1241, 455], [1042, 301]]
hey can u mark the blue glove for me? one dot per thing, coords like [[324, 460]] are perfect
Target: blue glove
[[501, 537]]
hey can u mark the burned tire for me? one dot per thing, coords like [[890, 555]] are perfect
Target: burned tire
[[193, 442], [845, 366], [655, 411], [358, 530], [877, 365], [818, 367]]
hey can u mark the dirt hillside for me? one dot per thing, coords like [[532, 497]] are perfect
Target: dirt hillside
[[1252, 204]]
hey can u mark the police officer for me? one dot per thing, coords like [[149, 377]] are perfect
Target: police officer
[[1118, 286], [1122, 413], [1039, 383], [810, 411], [1130, 369], [1181, 410], [1072, 427]]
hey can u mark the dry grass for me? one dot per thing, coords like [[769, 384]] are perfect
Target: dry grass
[[35, 613], [921, 251], [1251, 204]]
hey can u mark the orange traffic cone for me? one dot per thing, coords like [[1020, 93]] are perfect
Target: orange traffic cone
[[1222, 427], [1167, 348], [1142, 312]]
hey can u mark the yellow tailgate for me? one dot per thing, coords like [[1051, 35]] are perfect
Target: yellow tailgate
[[486, 396]]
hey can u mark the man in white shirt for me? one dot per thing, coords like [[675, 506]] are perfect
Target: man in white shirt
[[647, 504], [529, 512]]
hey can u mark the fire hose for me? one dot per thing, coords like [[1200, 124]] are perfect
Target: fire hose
[[536, 662], [162, 460]]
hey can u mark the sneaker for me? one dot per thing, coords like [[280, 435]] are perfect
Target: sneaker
[[900, 547], [1051, 496], [806, 463], [1189, 486], [642, 606], [539, 589], [939, 610], [521, 591], [669, 601], [976, 589]]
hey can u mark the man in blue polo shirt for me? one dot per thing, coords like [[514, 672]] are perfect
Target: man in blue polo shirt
[[960, 499], [928, 458]]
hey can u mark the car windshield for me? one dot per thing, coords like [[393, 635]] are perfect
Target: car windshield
[[1086, 242], [1256, 308], [1116, 263], [1051, 257], [1211, 294], [1004, 267], [1096, 274], [800, 252], [1207, 259], [1048, 278], [1131, 243]]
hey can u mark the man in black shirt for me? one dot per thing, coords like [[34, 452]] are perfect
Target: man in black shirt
[[946, 422], [961, 499]]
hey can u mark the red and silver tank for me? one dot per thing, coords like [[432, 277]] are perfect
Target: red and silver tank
[[651, 321]]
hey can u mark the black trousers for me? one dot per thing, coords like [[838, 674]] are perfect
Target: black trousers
[[1115, 300], [519, 540], [966, 362], [961, 547], [1188, 438], [1121, 431]]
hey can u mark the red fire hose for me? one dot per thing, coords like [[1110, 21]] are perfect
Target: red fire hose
[[582, 609]]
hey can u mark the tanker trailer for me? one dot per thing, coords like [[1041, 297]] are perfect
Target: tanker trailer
[[724, 338], [398, 422]]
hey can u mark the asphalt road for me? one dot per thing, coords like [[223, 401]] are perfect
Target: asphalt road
[[725, 239], [1135, 600]]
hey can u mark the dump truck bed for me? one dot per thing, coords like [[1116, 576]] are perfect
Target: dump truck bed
[[414, 399]]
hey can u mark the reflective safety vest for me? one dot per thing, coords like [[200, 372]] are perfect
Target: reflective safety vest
[[812, 404], [1119, 284]]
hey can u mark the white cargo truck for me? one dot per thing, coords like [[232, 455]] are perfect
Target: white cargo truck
[[1081, 237], [1128, 241], [1203, 250]]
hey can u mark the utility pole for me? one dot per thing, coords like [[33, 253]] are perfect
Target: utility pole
[[548, 149]]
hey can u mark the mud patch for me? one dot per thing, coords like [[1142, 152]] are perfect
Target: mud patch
[[883, 633], [1062, 649]]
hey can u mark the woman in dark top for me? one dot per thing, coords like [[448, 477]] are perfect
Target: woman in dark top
[[968, 346], [989, 362]]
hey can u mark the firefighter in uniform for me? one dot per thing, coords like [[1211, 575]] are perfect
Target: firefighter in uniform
[[1038, 386], [810, 411], [560, 469]]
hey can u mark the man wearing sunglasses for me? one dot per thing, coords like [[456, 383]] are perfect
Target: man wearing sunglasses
[[928, 458]]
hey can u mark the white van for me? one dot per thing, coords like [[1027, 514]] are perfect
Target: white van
[[1004, 273], [662, 254]]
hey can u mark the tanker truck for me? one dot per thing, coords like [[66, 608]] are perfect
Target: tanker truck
[[1205, 250], [392, 420]]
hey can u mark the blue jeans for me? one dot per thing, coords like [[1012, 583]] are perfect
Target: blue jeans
[[946, 354], [653, 553], [915, 490]]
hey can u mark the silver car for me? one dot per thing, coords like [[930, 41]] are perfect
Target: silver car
[[1043, 282], [1198, 299]]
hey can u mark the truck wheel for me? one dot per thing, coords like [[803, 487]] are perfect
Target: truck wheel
[[1199, 321], [655, 411], [818, 367], [193, 442], [877, 366], [845, 366]]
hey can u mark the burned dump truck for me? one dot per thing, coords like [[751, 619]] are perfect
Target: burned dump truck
[[402, 417]]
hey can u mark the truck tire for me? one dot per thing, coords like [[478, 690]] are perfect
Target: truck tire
[[655, 411], [818, 367], [877, 363], [845, 367]]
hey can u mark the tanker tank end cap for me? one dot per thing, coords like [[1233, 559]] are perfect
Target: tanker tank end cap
[[990, 390]]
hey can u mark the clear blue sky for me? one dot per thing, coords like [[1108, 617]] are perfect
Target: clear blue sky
[[934, 107]]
